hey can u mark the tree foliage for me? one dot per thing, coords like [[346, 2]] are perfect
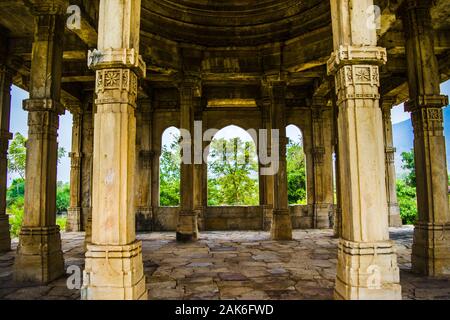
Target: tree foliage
[[170, 174], [17, 154], [409, 165], [232, 173], [296, 173], [406, 190]]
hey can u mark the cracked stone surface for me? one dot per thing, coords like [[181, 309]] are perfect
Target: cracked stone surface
[[232, 265]]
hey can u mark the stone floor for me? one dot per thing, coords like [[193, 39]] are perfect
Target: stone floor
[[233, 265]]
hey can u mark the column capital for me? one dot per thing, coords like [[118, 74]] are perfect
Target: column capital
[[49, 7], [415, 4], [190, 84], [387, 102], [117, 58], [31, 105], [426, 101], [351, 55]]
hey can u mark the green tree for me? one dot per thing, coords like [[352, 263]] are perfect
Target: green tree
[[409, 165], [170, 174], [296, 173], [17, 155], [406, 190], [15, 191], [232, 173], [62, 197]]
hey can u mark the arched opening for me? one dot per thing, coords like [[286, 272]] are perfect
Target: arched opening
[[169, 168], [296, 166], [233, 169]]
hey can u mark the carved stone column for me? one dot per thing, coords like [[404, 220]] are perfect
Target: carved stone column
[[187, 228], [6, 75], [391, 179], [367, 262], [74, 219], [323, 164], [144, 212], [282, 223], [199, 177], [87, 150], [431, 248], [337, 226], [39, 256], [266, 181], [114, 267]]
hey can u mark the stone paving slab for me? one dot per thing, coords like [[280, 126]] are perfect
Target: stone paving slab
[[232, 265]]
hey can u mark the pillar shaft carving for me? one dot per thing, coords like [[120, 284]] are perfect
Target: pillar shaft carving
[[74, 218], [113, 214], [391, 178], [281, 224], [365, 234], [322, 163], [144, 210], [6, 75], [430, 254], [39, 256], [187, 228]]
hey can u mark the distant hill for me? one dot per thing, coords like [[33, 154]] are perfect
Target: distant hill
[[404, 139]]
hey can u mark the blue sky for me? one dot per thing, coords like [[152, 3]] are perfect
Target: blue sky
[[19, 124]]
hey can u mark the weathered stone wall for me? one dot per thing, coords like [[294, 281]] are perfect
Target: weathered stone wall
[[234, 218]]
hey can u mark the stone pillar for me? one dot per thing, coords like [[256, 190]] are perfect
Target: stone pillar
[[39, 256], [6, 75], [367, 261], [391, 179], [187, 228], [281, 224], [87, 150], [144, 212], [337, 226], [322, 164], [431, 247], [199, 171], [74, 219], [155, 190], [114, 267], [266, 181]]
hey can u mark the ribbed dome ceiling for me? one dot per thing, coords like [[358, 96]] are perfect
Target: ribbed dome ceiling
[[232, 22]]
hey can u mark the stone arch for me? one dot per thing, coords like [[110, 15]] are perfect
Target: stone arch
[[239, 132]]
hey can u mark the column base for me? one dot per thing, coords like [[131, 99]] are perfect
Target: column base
[[144, 219], [187, 229], [323, 213], [367, 271], [430, 251], [281, 225], [395, 220], [5, 237], [73, 219], [39, 256], [114, 273], [200, 213]]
